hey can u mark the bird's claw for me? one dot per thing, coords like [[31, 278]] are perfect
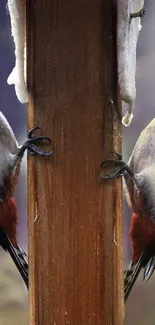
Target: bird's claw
[[119, 168], [32, 143], [33, 150], [29, 135]]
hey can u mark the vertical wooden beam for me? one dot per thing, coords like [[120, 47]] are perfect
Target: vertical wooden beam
[[75, 229]]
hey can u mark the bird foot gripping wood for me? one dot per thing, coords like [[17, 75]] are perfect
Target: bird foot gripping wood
[[31, 144], [119, 168]]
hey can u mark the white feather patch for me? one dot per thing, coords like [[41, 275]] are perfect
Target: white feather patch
[[127, 36], [17, 10]]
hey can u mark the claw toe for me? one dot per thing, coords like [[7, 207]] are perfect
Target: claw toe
[[34, 150], [32, 131], [32, 144]]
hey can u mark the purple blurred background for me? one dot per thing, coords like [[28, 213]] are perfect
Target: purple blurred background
[[140, 307], [15, 113], [13, 294]]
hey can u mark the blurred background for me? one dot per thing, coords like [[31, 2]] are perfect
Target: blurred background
[[13, 296], [140, 308]]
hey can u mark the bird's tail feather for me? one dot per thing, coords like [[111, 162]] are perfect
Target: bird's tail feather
[[149, 268], [146, 261], [131, 275], [17, 254]]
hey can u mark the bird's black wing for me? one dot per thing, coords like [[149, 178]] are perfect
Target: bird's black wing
[[130, 277], [149, 269], [146, 261], [18, 255]]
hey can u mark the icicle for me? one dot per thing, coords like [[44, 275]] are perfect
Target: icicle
[[127, 35], [17, 77]]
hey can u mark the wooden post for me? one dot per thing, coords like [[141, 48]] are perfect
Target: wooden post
[[75, 219]]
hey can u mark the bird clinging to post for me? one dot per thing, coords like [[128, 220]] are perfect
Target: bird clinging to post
[[10, 159], [139, 175]]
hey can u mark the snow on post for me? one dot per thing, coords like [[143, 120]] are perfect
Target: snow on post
[[128, 27], [17, 10]]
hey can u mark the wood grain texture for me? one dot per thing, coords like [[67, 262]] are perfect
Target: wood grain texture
[[75, 242]]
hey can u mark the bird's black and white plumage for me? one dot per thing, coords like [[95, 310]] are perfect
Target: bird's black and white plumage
[[139, 176], [10, 159]]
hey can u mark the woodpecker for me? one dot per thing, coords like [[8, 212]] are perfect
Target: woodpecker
[[139, 176], [10, 160]]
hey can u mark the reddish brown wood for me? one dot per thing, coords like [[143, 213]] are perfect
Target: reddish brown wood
[[75, 242]]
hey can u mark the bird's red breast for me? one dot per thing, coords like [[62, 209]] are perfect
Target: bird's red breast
[[8, 218], [142, 233]]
